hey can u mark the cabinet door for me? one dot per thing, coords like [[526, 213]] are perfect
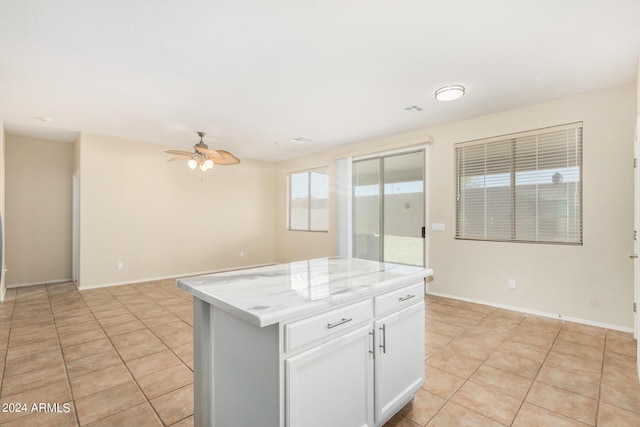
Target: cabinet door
[[399, 360], [332, 384]]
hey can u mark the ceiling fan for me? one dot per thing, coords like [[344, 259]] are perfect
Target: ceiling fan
[[203, 156]]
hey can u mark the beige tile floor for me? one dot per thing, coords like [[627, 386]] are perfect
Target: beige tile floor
[[491, 367], [117, 356], [124, 356]]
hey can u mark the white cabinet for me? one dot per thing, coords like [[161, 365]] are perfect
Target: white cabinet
[[357, 378], [350, 365], [332, 384], [399, 360], [325, 326]]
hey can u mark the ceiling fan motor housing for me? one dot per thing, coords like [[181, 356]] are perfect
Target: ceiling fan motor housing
[[201, 144]]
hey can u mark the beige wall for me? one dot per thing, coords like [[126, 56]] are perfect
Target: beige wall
[[3, 285], [593, 282], [299, 245], [38, 210], [76, 153], [162, 219]]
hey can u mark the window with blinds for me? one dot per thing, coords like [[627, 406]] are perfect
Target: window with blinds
[[308, 200], [525, 187]]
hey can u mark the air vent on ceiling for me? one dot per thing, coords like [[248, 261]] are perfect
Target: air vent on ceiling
[[302, 140]]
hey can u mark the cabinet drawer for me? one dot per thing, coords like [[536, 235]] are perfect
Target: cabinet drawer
[[326, 325], [396, 300]]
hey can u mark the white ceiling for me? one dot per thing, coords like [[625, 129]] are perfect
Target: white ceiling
[[255, 74]]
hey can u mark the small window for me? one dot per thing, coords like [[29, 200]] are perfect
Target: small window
[[524, 187], [308, 200]]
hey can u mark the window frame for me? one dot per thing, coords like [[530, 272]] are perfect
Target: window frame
[[513, 186], [322, 170]]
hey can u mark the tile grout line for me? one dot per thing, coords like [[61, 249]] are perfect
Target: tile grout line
[[125, 363], [482, 363], [6, 353], [157, 336], [470, 375], [570, 391], [533, 381], [465, 379], [121, 359], [64, 363], [15, 303], [604, 353], [556, 340]]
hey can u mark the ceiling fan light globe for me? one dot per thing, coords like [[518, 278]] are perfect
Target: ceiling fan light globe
[[209, 163], [192, 164], [203, 167]]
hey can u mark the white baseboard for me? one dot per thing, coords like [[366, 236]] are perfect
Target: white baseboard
[[47, 282], [535, 312], [199, 273]]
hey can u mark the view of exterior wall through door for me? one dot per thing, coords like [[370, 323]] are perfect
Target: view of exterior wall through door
[[388, 208]]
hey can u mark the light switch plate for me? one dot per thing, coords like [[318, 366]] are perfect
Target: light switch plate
[[437, 226]]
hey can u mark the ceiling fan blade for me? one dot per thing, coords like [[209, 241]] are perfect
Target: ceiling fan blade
[[179, 158], [180, 153], [228, 159], [211, 153]]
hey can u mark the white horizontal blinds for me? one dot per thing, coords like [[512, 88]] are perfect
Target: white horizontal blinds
[[299, 201], [308, 200], [524, 187], [548, 190], [319, 190], [483, 200]]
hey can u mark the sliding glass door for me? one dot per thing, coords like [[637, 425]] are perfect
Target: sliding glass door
[[388, 208]]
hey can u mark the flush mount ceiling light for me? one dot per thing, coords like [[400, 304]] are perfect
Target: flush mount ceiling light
[[449, 93]]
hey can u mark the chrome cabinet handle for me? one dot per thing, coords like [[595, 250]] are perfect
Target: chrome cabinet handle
[[333, 325], [406, 298], [371, 338], [383, 346]]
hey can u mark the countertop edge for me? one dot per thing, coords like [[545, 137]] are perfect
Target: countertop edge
[[310, 309]]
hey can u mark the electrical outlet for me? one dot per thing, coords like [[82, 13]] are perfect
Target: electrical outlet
[[241, 254], [120, 266], [512, 283]]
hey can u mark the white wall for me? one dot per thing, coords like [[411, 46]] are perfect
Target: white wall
[[38, 210], [3, 285], [593, 282], [162, 219]]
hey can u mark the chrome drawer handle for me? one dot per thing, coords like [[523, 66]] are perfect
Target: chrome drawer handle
[[383, 346], [333, 325], [406, 298]]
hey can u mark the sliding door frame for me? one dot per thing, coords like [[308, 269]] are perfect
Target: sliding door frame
[[345, 200]]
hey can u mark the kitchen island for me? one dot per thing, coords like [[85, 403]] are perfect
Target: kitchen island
[[329, 341]]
